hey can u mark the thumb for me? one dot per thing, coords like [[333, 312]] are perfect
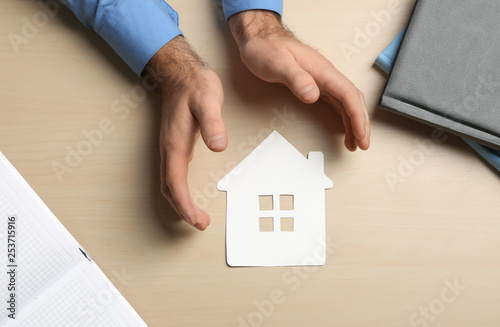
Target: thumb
[[300, 82], [213, 130]]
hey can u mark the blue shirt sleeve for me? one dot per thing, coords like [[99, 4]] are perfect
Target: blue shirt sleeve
[[232, 7], [135, 29]]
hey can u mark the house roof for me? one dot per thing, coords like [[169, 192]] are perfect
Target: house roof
[[275, 160]]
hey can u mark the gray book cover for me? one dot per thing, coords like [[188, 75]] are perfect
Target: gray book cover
[[447, 71]]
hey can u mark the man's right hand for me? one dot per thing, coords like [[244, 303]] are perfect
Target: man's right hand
[[192, 99]]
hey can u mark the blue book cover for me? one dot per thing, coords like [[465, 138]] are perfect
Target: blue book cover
[[386, 58], [385, 61]]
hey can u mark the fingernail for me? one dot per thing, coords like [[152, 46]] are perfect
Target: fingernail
[[309, 93], [217, 142], [199, 226], [365, 142]]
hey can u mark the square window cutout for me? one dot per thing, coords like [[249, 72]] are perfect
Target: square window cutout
[[265, 202], [266, 224], [286, 202], [286, 224]]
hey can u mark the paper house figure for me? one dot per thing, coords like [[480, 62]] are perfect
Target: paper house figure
[[276, 207]]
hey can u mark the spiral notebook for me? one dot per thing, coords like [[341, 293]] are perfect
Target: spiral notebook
[[48, 279]]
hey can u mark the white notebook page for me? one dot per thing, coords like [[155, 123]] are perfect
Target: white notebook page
[[56, 285]]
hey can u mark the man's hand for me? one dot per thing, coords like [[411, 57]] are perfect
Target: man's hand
[[272, 53], [192, 99]]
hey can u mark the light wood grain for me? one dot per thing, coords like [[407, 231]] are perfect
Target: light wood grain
[[394, 249]]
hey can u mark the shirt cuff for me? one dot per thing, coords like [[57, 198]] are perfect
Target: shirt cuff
[[232, 7], [138, 29]]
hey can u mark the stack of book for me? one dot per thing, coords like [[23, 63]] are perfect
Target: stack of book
[[444, 70]]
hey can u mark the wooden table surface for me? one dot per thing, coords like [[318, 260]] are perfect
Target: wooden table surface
[[413, 224]]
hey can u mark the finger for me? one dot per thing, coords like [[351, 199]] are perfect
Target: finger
[[350, 139], [176, 182], [192, 153], [179, 143], [334, 103], [203, 218], [213, 130], [338, 86], [355, 109], [364, 143], [165, 191], [334, 83], [300, 82]]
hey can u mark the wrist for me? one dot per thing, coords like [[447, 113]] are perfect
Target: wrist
[[250, 24], [174, 64]]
